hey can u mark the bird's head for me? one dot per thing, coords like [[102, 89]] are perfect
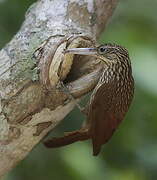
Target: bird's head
[[108, 53]]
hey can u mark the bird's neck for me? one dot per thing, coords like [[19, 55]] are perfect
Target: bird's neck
[[119, 71]]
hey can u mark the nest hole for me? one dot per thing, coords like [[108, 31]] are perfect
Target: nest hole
[[82, 65]]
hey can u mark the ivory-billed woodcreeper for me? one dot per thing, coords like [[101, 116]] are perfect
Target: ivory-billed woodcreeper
[[110, 99]]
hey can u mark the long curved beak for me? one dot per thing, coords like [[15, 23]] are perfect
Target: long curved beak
[[86, 51], [82, 51]]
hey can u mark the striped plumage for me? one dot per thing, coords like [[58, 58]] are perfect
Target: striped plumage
[[112, 96]]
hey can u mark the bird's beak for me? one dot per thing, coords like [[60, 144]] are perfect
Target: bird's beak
[[86, 51], [82, 51]]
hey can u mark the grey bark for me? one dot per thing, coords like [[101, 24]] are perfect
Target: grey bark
[[28, 111]]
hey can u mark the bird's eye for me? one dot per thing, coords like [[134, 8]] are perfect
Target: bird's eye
[[102, 50]]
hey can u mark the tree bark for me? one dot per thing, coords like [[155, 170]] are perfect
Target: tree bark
[[30, 103]]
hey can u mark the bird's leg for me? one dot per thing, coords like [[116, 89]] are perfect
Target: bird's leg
[[70, 96]]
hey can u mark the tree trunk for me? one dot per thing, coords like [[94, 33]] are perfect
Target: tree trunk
[[32, 64]]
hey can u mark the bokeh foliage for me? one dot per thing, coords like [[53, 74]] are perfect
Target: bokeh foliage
[[132, 152]]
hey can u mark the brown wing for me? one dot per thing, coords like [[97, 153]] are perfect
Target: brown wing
[[103, 121]]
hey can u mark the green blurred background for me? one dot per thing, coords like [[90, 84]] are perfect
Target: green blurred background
[[131, 154]]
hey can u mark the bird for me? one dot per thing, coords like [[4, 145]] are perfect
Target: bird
[[110, 99]]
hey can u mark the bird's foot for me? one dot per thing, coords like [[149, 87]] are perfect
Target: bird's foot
[[63, 88]]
